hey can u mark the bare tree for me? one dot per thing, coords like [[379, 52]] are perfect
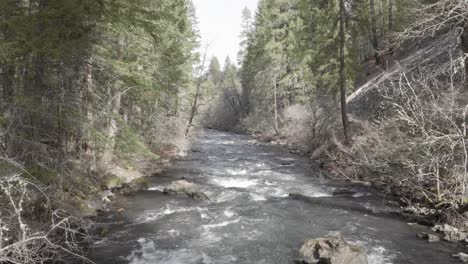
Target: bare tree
[[201, 77]]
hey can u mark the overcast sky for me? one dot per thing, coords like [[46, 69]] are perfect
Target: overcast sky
[[219, 24]]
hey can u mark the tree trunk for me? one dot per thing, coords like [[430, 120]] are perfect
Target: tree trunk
[[390, 15], [7, 83], [375, 41], [200, 79], [193, 111], [275, 121], [344, 116], [382, 20], [112, 129], [464, 42]]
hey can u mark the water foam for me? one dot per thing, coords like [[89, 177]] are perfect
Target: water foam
[[227, 195], [221, 224], [257, 197], [147, 254], [156, 188], [236, 171], [379, 255], [153, 215], [235, 182], [229, 213]]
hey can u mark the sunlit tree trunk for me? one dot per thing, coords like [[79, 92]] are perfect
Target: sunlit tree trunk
[[275, 89], [375, 41], [390, 15], [193, 110], [112, 129], [344, 116], [195, 104], [382, 20]]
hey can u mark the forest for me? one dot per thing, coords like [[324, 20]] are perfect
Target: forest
[[97, 96]]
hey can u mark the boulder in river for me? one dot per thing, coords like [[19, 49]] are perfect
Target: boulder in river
[[461, 256], [429, 237], [185, 187], [452, 234], [332, 250]]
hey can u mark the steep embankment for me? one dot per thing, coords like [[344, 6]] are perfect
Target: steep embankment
[[433, 56], [409, 133]]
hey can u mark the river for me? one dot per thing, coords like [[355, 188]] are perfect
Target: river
[[250, 218]]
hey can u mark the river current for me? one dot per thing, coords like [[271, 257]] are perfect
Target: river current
[[250, 217]]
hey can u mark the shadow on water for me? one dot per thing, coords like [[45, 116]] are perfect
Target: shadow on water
[[250, 217]]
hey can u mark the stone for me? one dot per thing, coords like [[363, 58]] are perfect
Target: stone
[[332, 250], [185, 187], [429, 237], [106, 196], [461, 256], [138, 185], [181, 186], [199, 196], [452, 234]]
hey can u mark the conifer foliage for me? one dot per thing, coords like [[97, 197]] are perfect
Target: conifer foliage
[[92, 78], [86, 87], [300, 50]]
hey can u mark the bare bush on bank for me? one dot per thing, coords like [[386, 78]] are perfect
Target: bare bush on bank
[[430, 19], [32, 230], [308, 126], [419, 148]]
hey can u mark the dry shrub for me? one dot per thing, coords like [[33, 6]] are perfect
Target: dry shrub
[[307, 127], [31, 231], [169, 133], [260, 122], [419, 148]]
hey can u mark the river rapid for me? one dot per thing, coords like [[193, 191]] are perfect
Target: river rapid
[[250, 217]]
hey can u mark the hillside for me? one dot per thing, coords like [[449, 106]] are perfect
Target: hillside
[[432, 55]]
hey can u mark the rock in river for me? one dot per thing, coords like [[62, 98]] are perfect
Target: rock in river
[[461, 256], [332, 250], [452, 234], [185, 187], [429, 237]]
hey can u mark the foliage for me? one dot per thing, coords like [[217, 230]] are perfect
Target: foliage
[[85, 85]]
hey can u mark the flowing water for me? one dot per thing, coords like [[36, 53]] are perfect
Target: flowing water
[[250, 218]]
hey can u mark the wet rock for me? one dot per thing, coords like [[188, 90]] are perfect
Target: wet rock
[[102, 231], [181, 186], [343, 192], [429, 237], [332, 250], [106, 196], [185, 187], [199, 196], [138, 185], [461, 256], [452, 234], [121, 211]]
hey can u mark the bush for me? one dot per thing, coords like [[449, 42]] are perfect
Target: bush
[[31, 230], [419, 148], [308, 127]]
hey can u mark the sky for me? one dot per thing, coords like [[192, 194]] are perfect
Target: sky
[[219, 23]]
